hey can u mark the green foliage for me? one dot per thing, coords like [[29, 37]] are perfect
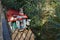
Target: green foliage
[[16, 4], [39, 11]]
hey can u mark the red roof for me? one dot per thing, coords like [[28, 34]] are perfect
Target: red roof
[[12, 12]]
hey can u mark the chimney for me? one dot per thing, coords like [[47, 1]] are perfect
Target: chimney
[[21, 11]]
